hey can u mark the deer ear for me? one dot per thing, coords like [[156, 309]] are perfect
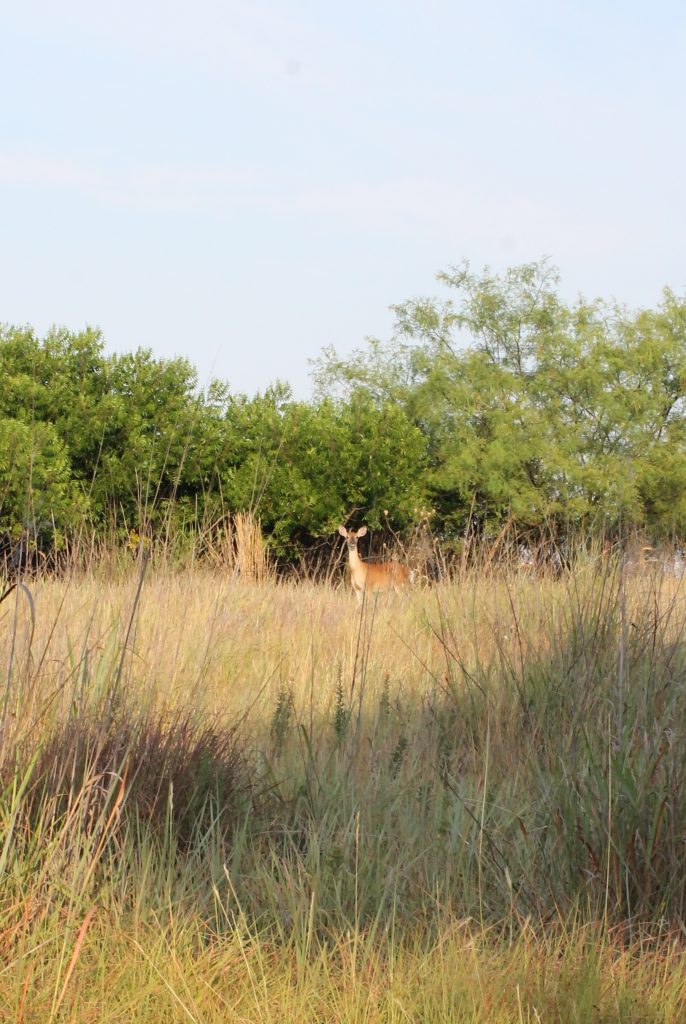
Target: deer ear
[[361, 532], [342, 530]]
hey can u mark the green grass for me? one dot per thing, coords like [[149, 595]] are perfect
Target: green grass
[[232, 802]]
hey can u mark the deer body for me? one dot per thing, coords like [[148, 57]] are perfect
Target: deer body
[[370, 576]]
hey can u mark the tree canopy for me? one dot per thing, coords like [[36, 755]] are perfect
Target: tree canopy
[[500, 403], [533, 409]]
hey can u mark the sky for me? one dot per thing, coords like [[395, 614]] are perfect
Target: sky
[[243, 184]]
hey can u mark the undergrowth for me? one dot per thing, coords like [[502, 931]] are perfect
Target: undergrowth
[[372, 816]]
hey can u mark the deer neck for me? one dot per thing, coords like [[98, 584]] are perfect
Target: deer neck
[[358, 570]]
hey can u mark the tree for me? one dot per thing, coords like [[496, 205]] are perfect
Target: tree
[[303, 467], [532, 410], [39, 501]]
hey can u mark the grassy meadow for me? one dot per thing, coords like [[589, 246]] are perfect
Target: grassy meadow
[[234, 801]]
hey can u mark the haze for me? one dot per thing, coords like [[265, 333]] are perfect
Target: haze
[[244, 184]]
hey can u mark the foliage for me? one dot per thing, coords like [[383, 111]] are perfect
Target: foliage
[[36, 488], [501, 404], [533, 410]]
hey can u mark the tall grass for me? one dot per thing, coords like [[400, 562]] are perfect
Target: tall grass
[[227, 800]]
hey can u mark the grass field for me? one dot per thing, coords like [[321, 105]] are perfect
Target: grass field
[[225, 801]]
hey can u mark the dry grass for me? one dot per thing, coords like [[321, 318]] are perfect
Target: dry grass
[[171, 973], [232, 800], [224, 641]]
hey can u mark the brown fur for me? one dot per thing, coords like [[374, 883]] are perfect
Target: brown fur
[[371, 576]]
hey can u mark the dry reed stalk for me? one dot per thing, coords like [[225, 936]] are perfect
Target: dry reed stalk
[[251, 553], [239, 548]]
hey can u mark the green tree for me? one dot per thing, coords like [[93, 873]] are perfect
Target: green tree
[[303, 467], [534, 410], [38, 498]]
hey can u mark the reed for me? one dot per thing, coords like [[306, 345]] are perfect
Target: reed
[[229, 798]]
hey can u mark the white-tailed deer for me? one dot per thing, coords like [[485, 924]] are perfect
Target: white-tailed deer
[[371, 576]]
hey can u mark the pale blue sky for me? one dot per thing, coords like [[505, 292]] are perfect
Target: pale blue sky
[[244, 183]]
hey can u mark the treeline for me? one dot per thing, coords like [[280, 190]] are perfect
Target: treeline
[[502, 404]]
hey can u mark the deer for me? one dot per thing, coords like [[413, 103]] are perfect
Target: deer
[[372, 576]]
